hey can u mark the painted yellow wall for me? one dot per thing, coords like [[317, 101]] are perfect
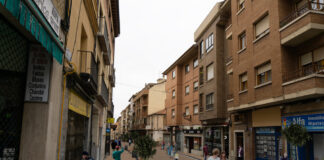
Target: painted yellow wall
[[156, 99]]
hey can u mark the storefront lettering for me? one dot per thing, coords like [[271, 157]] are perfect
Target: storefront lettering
[[314, 122], [38, 75], [50, 13]]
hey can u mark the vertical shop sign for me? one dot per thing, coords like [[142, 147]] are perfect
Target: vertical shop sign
[[38, 75]]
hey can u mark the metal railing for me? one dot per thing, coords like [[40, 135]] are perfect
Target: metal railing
[[304, 71], [301, 10], [103, 31], [94, 69], [104, 91]]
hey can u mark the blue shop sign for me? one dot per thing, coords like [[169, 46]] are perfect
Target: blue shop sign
[[108, 130], [313, 122]]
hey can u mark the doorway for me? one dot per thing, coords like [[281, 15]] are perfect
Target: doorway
[[239, 145], [191, 143]]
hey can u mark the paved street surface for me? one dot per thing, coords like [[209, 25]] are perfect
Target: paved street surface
[[160, 155]]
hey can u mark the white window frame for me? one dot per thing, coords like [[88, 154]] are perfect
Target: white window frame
[[210, 75], [187, 111], [173, 74], [196, 85], [210, 42], [187, 90], [196, 109], [173, 94], [195, 63]]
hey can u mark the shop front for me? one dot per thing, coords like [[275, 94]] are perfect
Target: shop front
[[193, 141], [78, 126], [266, 124], [216, 137], [313, 150]]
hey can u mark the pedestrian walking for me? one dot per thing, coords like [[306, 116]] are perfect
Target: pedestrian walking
[[215, 155], [86, 156], [163, 144], [223, 156], [119, 143], [129, 142], [113, 145], [240, 152], [205, 150], [116, 154]]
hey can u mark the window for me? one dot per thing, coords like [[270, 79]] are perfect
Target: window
[[264, 73], [243, 82], [210, 72], [173, 113], [195, 63], [240, 4], [201, 108], [187, 111], [242, 41], [195, 109], [173, 94], [308, 65], [201, 75], [196, 86], [209, 42], [201, 49], [209, 101], [173, 74], [187, 90], [261, 27], [187, 68]]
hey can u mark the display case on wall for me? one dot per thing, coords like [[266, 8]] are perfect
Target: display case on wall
[[267, 143]]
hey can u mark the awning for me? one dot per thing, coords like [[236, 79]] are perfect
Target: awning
[[30, 17]]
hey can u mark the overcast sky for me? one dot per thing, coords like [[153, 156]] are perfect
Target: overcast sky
[[154, 33]]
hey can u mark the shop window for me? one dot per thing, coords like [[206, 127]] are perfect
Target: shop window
[[209, 101], [263, 73], [197, 143], [243, 82], [266, 143], [261, 27]]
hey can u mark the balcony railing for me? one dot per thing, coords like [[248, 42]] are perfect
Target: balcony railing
[[103, 94], [304, 71], [104, 40], [89, 74], [112, 77], [300, 11], [209, 106]]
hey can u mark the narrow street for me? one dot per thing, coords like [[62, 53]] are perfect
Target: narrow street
[[160, 155]]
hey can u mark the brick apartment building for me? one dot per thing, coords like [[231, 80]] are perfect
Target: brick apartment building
[[274, 76], [210, 38], [181, 104]]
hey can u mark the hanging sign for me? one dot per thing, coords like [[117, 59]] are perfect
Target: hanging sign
[[50, 13], [38, 75]]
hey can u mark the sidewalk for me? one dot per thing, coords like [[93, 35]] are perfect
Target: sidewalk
[[160, 155]]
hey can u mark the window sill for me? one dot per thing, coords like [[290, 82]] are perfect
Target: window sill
[[240, 11], [244, 91], [242, 50], [209, 49], [263, 84], [263, 35], [230, 100]]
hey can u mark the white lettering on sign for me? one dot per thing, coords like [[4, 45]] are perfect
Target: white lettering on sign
[[38, 75], [50, 13]]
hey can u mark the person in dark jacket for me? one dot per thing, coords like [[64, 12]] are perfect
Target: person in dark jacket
[[113, 145]]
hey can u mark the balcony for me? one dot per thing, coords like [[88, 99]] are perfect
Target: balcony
[[103, 93], [307, 82], [112, 77], [89, 75], [304, 23], [104, 40]]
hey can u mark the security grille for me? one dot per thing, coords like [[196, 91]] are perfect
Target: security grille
[[13, 64]]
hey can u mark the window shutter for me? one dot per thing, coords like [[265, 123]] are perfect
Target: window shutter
[[319, 54], [306, 59], [210, 72], [244, 78], [262, 25], [264, 68]]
